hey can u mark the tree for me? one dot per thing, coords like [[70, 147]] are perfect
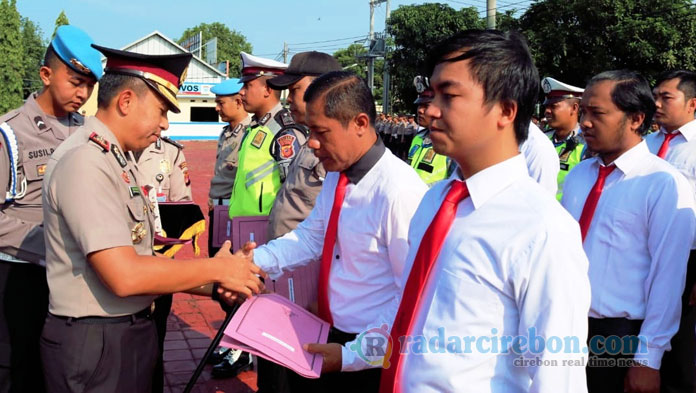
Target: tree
[[229, 43], [34, 50], [414, 29], [572, 41], [61, 20], [10, 62], [353, 58]]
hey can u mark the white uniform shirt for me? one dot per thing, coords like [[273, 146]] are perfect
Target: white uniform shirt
[[542, 159], [682, 149], [371, 245], [512, 261], [638, 243]]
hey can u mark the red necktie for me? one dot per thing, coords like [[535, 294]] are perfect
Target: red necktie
[[665, 144], [592, 199], [327, 252], [422, 265]]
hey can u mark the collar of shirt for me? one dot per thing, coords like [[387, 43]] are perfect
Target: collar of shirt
[[482, 187], [629, 159], [688, 130], [358, 170], [273, 111]]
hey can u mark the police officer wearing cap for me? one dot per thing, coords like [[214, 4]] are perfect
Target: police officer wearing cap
[[102, 272], [28, 136], [270, 143], [228, 104], [430, 166], [562, 105]]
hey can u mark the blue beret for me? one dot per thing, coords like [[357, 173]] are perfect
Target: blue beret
[[229, 87], [74, 47]]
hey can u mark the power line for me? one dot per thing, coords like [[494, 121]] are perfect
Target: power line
[[334, 40]]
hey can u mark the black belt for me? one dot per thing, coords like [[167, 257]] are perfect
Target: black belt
[[106, 320]]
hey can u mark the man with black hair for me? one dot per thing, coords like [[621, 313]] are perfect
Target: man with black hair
[[101, 269], [675, 101], [28, 136], [636, 215], [491, 253], [357, 229]]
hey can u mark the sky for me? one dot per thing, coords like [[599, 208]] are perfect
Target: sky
[[323, 25]]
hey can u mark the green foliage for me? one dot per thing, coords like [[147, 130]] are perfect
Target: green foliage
[[572, 41], [61, 20], [415, 28], [11, 70], [229, 43], [34, 50], [353, 59]]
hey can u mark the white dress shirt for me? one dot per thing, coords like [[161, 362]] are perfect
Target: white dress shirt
[[512, 260], [370, 249], [542, 159], [638, 243], [682, 149]]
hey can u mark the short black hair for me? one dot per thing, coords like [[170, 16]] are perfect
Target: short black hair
[[346, 95], [111, 84], [631, 94], [51, 59], [501, 63], [687, 81]]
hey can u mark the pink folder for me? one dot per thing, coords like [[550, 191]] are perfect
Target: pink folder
[[274, 328]]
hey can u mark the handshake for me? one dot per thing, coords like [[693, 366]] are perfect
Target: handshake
[[240, 275]]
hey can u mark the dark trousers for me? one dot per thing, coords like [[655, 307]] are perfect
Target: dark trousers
[[601, 376], [211, 250], [94, 357], [163, 306], [271, 377], [677, 371], [23, 307], [365, 381]]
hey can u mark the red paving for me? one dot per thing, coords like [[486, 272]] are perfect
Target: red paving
[[194, 320]]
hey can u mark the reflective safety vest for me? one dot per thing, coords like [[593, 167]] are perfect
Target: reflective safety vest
[[430, 166], [570, 153], [257, 181]]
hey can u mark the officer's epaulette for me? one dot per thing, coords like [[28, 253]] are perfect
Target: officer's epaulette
[[172, 142], [239, 127], [284, 118], [265, 119], [100, 141]]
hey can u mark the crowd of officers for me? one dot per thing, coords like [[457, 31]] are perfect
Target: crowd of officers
[[74, 286]]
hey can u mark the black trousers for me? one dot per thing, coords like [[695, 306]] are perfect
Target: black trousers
[[606, 371], [23, 307], [94, 357], [365, 381], [211, 250], [163, 305], [677, 371]]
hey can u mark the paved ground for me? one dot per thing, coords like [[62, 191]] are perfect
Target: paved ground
[[194, 319]]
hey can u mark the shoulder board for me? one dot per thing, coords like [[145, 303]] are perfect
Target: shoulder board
[[297, 128], [239, 127], [172, 142], [284, 118], [265, 119], [100, 141]]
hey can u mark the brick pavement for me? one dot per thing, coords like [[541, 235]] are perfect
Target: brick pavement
[[194, 320]]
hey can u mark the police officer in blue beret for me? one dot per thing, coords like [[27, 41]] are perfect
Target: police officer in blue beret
[[28, 136]]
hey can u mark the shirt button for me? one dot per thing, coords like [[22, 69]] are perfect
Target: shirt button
[[337, 256]]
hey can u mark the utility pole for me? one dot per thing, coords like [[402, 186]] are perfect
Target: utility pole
[[490, 14], [285, 52], [385, 78], [371, 60]]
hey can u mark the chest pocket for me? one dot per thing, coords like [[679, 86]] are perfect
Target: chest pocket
[[34, 163]]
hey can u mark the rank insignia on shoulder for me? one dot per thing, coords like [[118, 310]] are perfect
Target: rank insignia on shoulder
[[287, 146], [237, 128], [265, 119], [100, 141], [40, 124], [138, 233], [172, 142], [119, 156], [258, 139], [158, 143], [286, 118], [125, 177], [41, 170], [133, 191]]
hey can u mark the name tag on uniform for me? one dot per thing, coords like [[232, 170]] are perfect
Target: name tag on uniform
[[258, 139], [429, 156]]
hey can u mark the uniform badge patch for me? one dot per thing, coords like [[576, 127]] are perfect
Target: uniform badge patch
[[286, 119], [429, 156], [100, 141], [41, 170], [134, 191], [287, 146], [165, 166], [564, 157], [258, 139], [413, 151], [119, 156], [265, 119], [125, 177], [183, 166], [138, 233], [40, 124], [187, 179]]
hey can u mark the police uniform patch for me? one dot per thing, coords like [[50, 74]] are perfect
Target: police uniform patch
[[265, 119], [429, 156], [286, 118], [119, 156], [564, 157], [158, 144], [134, 191], [100, 141], [183, 166], [236, 129], [165, 166], [41, 170], [187, 179], [125, 177], [40, 124], [287, 149], [413, 151], [258, 139], [138, 233]]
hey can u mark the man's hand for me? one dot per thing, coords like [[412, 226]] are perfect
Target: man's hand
[[241, 275], [642, 379], [333, 358]]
